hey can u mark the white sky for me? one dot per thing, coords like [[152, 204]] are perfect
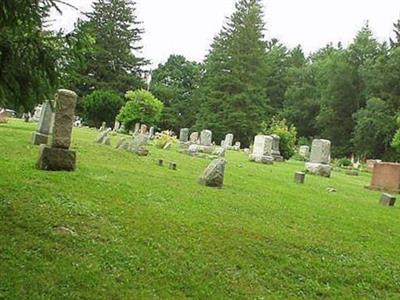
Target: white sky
[[187, 27]]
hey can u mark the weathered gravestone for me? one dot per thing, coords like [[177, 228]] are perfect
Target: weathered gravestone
[[276, 154], [194, 137], [214, 174], [58, 157], [299, 177], [44, 130], [206, 138], [103, 137], [184, 135], [117, 126], [320, 158], [139, 142], [304, 151], [137, 129], [220, 151], [151, 133], [386, 177], [143, 129], [262, 149], [228, 142], [37, 113], [103, 127]]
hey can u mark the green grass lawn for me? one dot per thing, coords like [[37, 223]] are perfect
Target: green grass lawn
[[140, 231]]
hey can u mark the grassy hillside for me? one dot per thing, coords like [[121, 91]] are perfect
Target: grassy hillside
[[121, 227]]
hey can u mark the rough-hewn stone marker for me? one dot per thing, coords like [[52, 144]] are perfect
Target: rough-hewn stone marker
[[58, 157], [213, 176], [387, 200], [44, 130]]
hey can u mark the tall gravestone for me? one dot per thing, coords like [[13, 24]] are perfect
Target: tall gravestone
[[58, 157], [194, 137], [137, 129], [206, 138], [320, 158], [117, 125], [276, 154], [228, 140], [262, 149], [304, 151], [184, 135], [45, 126]]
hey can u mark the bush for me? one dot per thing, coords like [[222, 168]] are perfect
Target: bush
[[344, 162], [102, 106], [141, 107], [288, 135], [163, 139]]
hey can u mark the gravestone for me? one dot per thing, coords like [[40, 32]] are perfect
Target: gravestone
[[194, 137], [117, 126], [103, 136], [137, 129], [299, 177], [143, 129], [206, 138], [37, 113], [386, 177], [58, 157], [304, 151], [228, 142], [237, 146], [276, 154], [151, 133], [262, 149], [184, 135], [103, 127], [120, 142], [44, 130], [320, 158], [214, 174], [139, 142], [220, 151], [387, 200]]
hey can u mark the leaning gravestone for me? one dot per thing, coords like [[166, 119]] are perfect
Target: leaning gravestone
[[58, 157], [42, 134], [206, 138], [213, 176], [184, 135], [262, 149], [320, 158]]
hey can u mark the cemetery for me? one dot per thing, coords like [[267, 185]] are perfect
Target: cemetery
[[251, 169]]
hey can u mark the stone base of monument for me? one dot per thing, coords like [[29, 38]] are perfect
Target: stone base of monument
[[278, 158], [56, 159], [387, 200], [264, 159], [39, 138], [319, 169]]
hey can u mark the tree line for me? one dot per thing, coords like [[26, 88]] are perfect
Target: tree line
[[246, 84]]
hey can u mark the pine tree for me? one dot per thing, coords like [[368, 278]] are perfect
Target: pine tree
[[233, 91], [113, 64], [396, 41]]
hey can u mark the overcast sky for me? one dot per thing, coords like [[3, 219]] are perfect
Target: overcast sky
[[187, 27]]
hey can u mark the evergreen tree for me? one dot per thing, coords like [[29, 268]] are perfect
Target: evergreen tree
[[28, 62], [113, 64], [396, 41], [174, 84], [232, 92]]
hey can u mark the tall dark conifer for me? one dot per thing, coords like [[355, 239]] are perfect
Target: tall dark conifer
[[232, 92]]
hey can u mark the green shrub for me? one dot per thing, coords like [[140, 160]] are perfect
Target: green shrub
[[141, 107], [288, 135], [102, 106], [344, 162]]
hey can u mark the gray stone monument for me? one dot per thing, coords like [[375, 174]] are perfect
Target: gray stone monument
[[42, 134], [103, 136], [117, 126], [137, 129], [262, 149], [206, 138], [299, 177], [320, 158], [276, 154], [228, 142], [194, 137], [151, 133], [304, 151], [58, 157], [184, 135], [213, 176], [387, 200], [103, 127]]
